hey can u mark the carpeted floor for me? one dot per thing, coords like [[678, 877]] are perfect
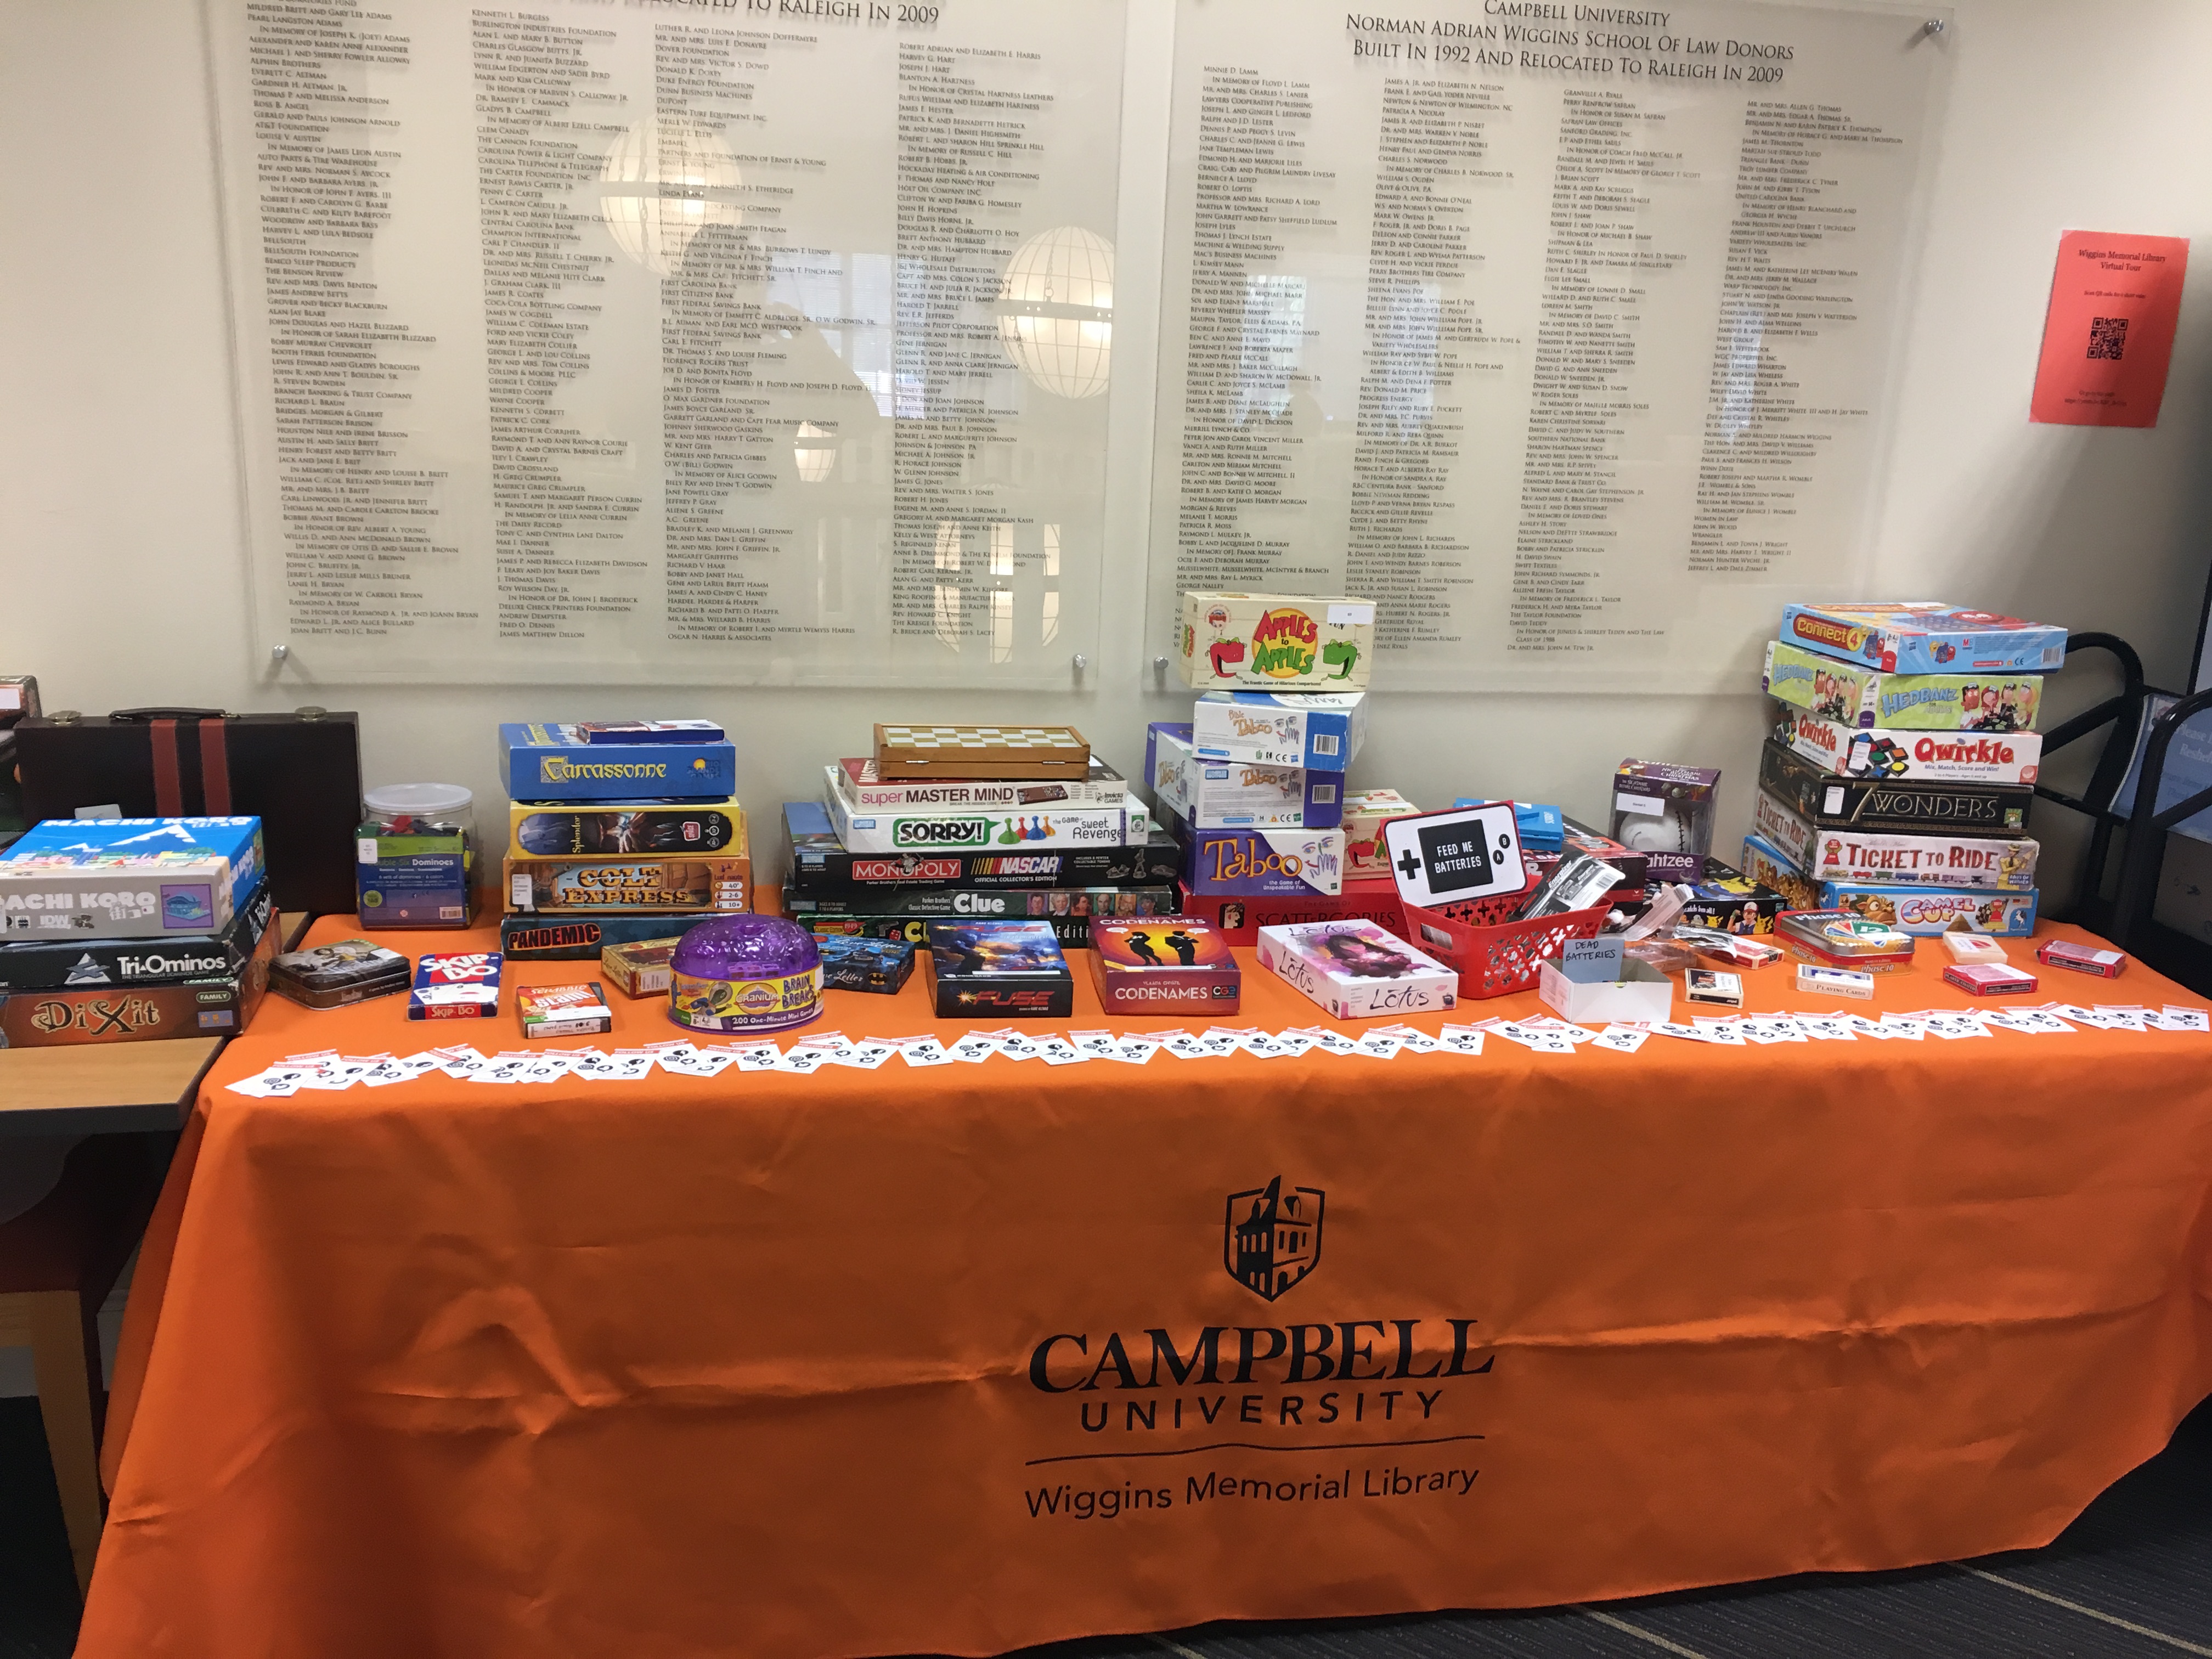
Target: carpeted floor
[[2132, 1579]]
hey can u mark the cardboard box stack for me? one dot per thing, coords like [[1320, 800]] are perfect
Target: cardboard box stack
[[1897, 780], [617, 832], [974, 822], [120, 930]]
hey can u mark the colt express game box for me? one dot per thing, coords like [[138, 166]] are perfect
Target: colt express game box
[[557, 886]]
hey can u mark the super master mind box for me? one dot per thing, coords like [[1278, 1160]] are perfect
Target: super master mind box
[[544, 763]]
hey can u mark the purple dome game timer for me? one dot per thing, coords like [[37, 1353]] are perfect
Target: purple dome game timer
[[745, 974]]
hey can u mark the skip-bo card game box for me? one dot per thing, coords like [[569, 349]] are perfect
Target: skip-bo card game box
[[460, 986]]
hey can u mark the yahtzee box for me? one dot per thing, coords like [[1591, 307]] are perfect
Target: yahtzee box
[[1275, 642]]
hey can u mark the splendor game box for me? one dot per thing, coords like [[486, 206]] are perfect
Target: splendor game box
[[1924, 638], [547, 762], [1852, 695], [985, 968], [1174, 965], [1923, 756], [1356, 970], [1275, 642]]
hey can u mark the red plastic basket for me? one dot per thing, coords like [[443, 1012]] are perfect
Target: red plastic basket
[[1494, 957]]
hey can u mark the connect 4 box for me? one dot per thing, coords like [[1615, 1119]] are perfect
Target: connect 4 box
[[1924, 638]]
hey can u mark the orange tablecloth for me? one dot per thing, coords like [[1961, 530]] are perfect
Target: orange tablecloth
[[953, 1359]]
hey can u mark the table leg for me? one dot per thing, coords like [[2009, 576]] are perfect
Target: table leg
[[65, 1356]]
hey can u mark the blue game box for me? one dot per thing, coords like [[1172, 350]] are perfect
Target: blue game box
[[558, 762]]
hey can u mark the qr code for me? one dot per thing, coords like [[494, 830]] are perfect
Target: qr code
[[2108, 339]]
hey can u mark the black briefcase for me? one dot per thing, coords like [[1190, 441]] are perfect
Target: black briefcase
[[300, 773]]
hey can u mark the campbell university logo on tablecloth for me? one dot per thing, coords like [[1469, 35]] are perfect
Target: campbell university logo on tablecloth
[[1271, 1238]]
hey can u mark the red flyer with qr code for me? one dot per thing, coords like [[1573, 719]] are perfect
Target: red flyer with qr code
[[2109, 333]]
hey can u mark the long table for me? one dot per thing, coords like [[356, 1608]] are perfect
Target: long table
[[962, 1358]]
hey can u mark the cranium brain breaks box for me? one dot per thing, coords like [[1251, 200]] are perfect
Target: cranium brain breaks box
[[1275, 642]]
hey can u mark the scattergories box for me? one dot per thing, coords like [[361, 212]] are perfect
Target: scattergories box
[[216, 1006], [819, 862], [547, 762], [1259, 863], [627, 830], [1356, 970], [1321, 731], [1925, 861], [462, 985], [128, 878], [582, 939], [1825, 801], [1239, 918], [71, 963], [1924, 638], [1852, 694], [984, 969], [1275, 642], [1923, 756], [1174, 965]]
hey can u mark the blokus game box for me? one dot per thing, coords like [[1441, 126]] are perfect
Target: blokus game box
[[1825, 801], [982, 969], [217, 1006], [1275, 642], [1924, 638], [1852, 695], [820, 864], [1174, 965], [1923, 756]]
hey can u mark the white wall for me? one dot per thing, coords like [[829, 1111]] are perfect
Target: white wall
[[119, 526]]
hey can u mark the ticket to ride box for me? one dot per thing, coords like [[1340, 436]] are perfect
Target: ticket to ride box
[[1275, 642], [551, 763]]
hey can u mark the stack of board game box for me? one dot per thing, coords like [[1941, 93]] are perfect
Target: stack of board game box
[[1253, 786], [982, 823], [618, 832], [1897, 780], [121, 929]]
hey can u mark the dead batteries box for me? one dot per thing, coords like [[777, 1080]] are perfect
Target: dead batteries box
[[1356, 970], [1732, 901], [585, 938], [1823, 800], [1174, 965], [882, 966], [1365, 812], [643, 968], [1259, 863], [601, 829], [217, 1006], [1927, 911], [459, 985], [886, 833], [1852, 695], [984, 969], [1888, 755], [1321, 731], [1275, 642], [550, 762], [1239, 918], [1924, 638], [1836, 938], [1924, 861], [554, 886], [559, 1011]]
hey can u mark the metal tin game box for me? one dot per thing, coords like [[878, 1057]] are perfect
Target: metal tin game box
[[332, 976], [1922, 757], [58, 964], [1840, 939], [1237, 794], [557, 886], [982, 970], [1259, 863], [1924, 861], [881, 966], [1356, 970], [1825, 801], [1852, 694], [551, 763], [1321, 731], [607, 829], [217, 1006], [1275, 642], [1927, 911], [1175, 965], [1924, 638], [820, 864], [1239, 918], [881, 833], [128, 878], [584, 938], [865, 791]]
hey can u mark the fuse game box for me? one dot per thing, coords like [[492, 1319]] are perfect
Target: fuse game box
[[981, 969], [1178, 965], [1924, 638]]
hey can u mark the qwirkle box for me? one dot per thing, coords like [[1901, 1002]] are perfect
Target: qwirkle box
[[608, 830], [1923, 756], [81, 963], [554, 886], [1929, 910], [544, 763], [1356, 970], [931, 832], [983, 969], [867, 792], [1924, 638], [218, 1005], [1824, 801], [1175, 965], [1261, 863], [1275, 642], [128, 878], [1321, 731], [583, 938], [820, 863], [1924, 861], [1852, 695]]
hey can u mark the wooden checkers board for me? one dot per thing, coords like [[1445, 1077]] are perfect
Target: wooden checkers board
[[981, 751]]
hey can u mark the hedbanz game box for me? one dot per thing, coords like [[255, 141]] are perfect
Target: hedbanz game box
[[1850, 694], [1924, 638]]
